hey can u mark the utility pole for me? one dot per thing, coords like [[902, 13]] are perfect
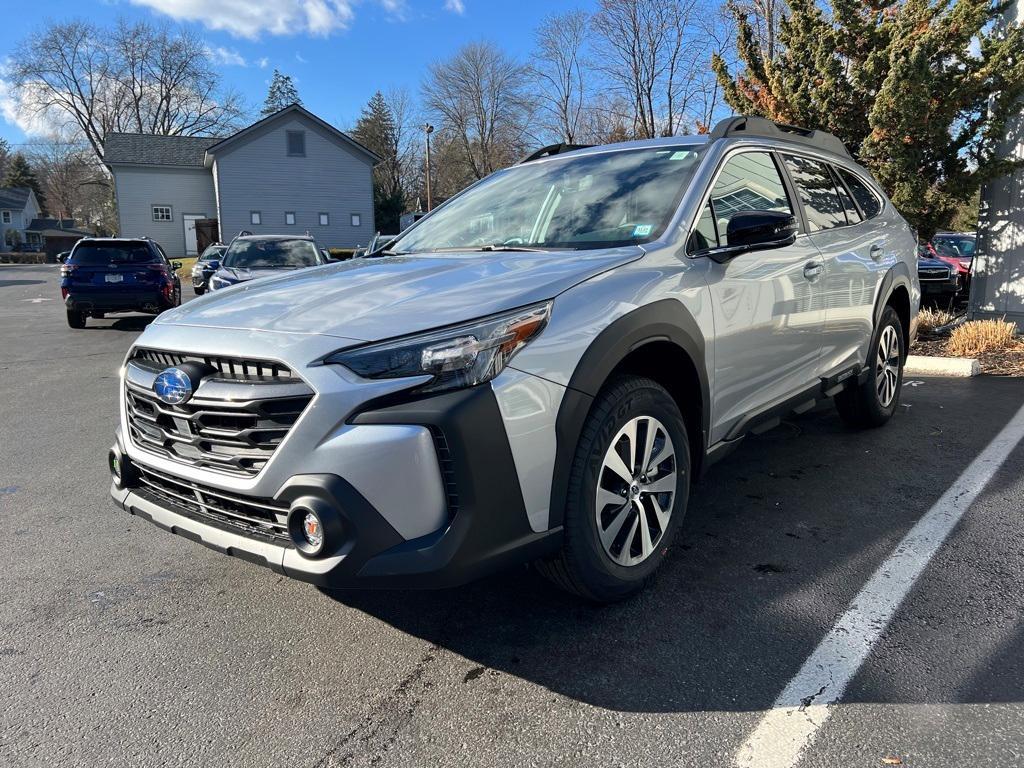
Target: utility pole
[[427, 130]]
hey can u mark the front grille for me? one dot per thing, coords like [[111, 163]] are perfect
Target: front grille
[[231, 424], [258, 518], [228, 367], [933, 274]]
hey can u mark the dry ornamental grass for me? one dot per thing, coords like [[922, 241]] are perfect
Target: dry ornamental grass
[[929, 319], [980, 336]]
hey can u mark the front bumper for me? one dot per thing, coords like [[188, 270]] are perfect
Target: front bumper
[[484, 526]]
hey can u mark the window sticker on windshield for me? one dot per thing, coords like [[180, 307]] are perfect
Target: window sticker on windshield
[[642, 230], [682, 154]]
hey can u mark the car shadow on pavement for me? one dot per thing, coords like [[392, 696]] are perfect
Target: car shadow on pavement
[[778, 539], [134, 323]]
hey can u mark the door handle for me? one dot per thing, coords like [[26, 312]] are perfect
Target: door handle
[[813, 270], [875, 252]]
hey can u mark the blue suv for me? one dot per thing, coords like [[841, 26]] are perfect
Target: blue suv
[[104, 275]]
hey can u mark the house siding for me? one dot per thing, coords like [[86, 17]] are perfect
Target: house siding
[[186, 190], [257, 174], [19, 220]]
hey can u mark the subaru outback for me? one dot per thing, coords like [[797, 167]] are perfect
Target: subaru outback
[[536, 371]]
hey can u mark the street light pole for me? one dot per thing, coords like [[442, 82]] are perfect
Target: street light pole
[[427, 130]]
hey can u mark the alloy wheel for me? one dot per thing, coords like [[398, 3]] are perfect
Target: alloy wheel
[[887, 366], [636, 490]]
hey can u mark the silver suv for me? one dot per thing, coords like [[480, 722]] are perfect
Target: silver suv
[[536, 371]]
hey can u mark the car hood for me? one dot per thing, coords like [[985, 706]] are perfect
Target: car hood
[[241, 274], [930, 262], [377, 298]]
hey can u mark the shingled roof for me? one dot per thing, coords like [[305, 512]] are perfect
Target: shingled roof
[[147, 149], [14, 198]]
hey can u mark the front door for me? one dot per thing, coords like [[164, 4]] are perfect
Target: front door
[[767, 304], [191, 243]]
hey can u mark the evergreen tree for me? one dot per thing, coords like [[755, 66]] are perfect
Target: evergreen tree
[[20, 174], [377, 130], [919, 91], [282, 93], [5, 155]]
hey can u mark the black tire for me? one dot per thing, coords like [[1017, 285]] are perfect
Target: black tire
[[199, 291], [862, 406], [76, 319], [98, 315], [583, 567]]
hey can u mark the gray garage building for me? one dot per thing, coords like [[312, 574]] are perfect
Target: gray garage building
[[288, 173]]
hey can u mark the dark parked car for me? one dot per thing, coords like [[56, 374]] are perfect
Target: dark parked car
[[205, 266], [252, 256], [103, 275], [940, 281], [957, 249]]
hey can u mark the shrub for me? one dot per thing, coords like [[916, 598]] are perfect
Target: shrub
[[980, 336], [929, 319]]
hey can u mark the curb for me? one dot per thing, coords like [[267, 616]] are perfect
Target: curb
[[918, 365]]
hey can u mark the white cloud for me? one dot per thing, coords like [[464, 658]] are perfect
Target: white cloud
[[300, 58], [251, 18], [20, 111], [397, 9], [226, 56], [455, 6], [263, 62]]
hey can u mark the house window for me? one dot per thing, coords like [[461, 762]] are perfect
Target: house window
[[162, 213], [296, 143], [325, 220], [356, 220], [255, 217], [289, 217], [5, 217]]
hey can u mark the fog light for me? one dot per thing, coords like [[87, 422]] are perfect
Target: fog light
[[115, 468], [313, 530]]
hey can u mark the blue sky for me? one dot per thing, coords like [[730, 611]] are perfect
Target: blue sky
[[338, 51]]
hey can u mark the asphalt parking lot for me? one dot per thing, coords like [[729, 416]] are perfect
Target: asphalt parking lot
[[123, 645]]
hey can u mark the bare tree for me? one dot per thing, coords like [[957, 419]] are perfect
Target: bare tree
[[137, 77], [562, 73], [478, 98], [654, 54], [74, 182]]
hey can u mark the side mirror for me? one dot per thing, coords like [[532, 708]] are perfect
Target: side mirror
[[756, 230], [213, 265], [175, 265], [62, 257]]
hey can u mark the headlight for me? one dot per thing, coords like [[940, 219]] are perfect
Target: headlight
[[459, 356], [218, 282]]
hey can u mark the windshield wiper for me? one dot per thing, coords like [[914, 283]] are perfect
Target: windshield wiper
[[503, 247]]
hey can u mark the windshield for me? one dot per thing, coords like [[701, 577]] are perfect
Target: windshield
[[96, 254], [955, 246], [601, 200], [213, 252], [271, 254]]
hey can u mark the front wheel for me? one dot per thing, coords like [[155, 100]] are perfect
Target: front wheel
[[873, 403], [76, 319], [628, 491], [199, 291]]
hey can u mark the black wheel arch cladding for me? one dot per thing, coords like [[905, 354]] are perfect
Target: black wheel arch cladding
[[664, 321]]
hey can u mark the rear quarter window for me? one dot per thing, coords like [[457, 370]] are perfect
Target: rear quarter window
[[866, 199]]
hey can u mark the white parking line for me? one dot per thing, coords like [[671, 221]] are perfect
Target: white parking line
[[803, 707]]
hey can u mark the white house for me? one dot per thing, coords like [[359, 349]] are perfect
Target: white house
[[288, 173], [18, 208]]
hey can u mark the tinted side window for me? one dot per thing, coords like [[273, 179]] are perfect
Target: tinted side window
[[866, 199], [704, 235], [852, 214], [817, 192], [748, 182]]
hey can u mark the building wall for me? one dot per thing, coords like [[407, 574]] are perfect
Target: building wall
[[997, 283], [186, 190], [257, 174], [19, 220]]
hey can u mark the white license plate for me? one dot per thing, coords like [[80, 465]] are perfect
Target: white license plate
[[114, 278]]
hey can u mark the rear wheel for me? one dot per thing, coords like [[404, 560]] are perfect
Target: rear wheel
[[76, 319], [628, 491], [873, 403]]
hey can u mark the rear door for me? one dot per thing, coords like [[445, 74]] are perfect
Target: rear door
[[852, 250], [767, 304]]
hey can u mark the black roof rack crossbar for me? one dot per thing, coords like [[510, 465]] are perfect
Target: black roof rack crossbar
[[553, 149], [749, 125]]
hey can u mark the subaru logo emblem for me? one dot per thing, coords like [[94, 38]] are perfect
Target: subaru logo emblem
[[173, 386]]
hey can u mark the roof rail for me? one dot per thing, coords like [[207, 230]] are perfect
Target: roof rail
[[553, 149], [749, 125]]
